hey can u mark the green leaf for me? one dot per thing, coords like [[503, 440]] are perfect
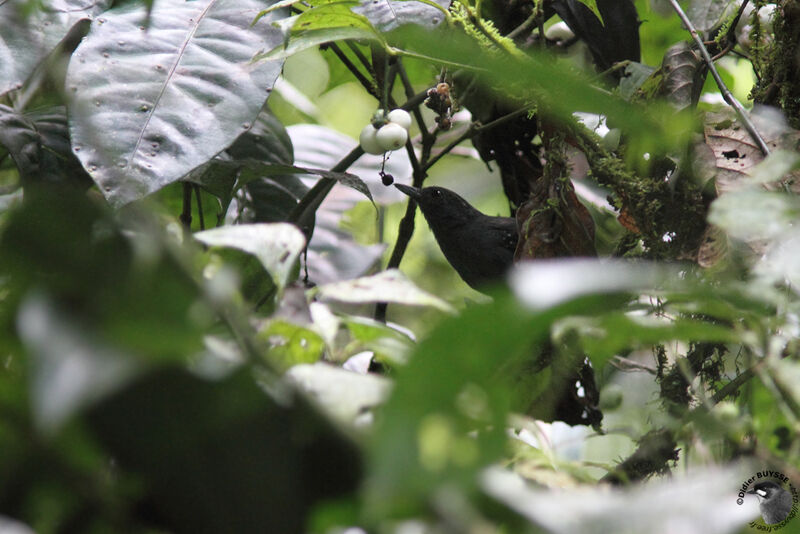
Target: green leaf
[[267, 141], [635, 75], [557, 92], [150, 103], [388, 15], [754, 214], [326, 23], [462, 379], [276, 245], [543, 284], [607, 335], [291, 344], [123, 285], [38, 142], [644, 508], [775, 167], [387, 343], [343, 394], [19, 139], [28, 38], [256, 285], [592, 5], [708, 14], [71, 367], [387, 286]]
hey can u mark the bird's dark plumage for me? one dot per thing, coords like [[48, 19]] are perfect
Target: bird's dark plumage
[[481, 249], [774, 501], [478, 246]]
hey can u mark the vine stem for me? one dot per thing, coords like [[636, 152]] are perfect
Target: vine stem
[[726, 94], [474, 129], [199, 199], [186, 212], [365, 82], [406, 228]]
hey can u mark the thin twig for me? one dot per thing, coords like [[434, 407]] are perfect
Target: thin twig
[[361, 57], [732, 386], [198, 198], [186, 212], [474, 129], [384, 85], [619, 65], [726, 94], [368, 85], [530, 21], [406, 229], [401, 70]]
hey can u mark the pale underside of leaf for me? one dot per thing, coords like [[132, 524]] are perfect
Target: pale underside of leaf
[[388, 286], [276, 245]]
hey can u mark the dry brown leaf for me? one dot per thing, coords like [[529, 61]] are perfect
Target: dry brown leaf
[[734, 150]]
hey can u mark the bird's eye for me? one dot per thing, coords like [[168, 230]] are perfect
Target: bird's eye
[[437, 193]]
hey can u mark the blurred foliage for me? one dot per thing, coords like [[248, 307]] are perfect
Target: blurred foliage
[[211, 356]]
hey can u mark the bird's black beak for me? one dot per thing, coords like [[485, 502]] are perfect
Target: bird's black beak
[[413, 192]]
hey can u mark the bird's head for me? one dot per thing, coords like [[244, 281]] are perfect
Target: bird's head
[[765, 490], [440, 205]]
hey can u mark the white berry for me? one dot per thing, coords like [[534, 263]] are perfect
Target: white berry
[[369, 140], [401, 117], [559, 32], [391, 136]]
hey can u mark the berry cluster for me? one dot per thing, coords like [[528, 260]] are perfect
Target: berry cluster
[[385, 132]]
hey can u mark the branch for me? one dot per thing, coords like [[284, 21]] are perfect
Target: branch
[[726, 94], [423, 129], [406, 229], [199, 198], [361, 57], [732, 386], [656, 449], [368, 85], [474, 129], [186, 212]]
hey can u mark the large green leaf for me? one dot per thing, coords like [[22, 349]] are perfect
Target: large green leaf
[[26, 39], [388, 15], [387, 286], [708, 14], [149, 104], [349, 19], [19, 140], [558, 93], [326, 23], [277, 246], [38, 142]]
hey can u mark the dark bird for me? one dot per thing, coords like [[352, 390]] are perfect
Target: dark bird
[[481, 249], [478, 246], [774, 501]]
